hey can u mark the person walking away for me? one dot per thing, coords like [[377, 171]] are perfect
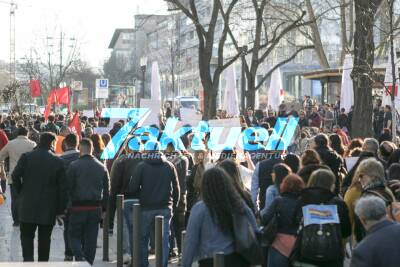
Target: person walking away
[[283, 209], [211, 222], [39, 182], [327, 251], [121, 173], [381, 245], [14, 150], [156, 181], [70, 154], [3, 142], [88, 190]]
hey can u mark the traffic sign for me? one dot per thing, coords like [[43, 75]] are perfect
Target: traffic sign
[[101, 88]]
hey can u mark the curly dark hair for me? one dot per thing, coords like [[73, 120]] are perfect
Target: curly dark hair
[[221, 198]]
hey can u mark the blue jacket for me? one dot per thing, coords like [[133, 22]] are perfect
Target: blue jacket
[[381, 247], [204, 237]]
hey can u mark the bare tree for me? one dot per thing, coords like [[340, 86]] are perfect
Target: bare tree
[[206, 34], [362, 73]]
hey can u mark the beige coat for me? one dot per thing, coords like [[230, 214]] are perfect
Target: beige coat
[[14, 149]]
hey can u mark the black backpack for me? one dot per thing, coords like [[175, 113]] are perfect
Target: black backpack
[[319, 242]]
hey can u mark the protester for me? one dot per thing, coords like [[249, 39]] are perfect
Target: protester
[[284, 209], [293, 161], [51, 126], [88, 191], [233, 172], [210, 224], [14, 150], [64, 131], [368, 180], [71, 153], [320, 191], [380, 246], [279, 172], [336, 144], [98, 146], [39, 181], [156, 182]]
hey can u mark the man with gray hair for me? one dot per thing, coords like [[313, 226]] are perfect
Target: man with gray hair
[[381, 245], [371, 145]]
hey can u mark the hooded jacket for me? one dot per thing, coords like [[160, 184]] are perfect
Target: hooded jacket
[[156, 182]]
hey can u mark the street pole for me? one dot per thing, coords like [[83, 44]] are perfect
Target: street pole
[[243, 51], [144, 80]]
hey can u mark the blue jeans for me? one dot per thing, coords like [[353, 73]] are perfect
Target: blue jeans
[[148, 218], [128, 225], [275, 258]]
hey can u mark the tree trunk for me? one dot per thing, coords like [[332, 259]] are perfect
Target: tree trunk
[[363, 63], [251, 91], [343, 31]]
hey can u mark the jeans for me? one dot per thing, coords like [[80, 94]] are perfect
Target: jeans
[[148, 218], [275, 258], [14, 204], [83, 229], [128, 225], [44, 238]]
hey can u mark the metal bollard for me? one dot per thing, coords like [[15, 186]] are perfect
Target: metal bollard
[[183, 235], [120, 224], [106, 226], [159, 234], [136, 234], [218, 259]]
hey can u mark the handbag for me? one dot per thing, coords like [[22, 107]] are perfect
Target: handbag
[[246, 242], [269, 232]]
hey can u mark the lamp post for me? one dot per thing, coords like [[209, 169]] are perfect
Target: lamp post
[[243, 51], [143, 65]]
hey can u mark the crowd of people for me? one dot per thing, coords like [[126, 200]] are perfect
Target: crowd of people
[[327, 198]]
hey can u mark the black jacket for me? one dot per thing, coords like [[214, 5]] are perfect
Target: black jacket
[[181, 164], [88, 182], [317, 195], [121, 173], [156, 181], [285, 207], [39, 180], [380, 247], [335, 162]]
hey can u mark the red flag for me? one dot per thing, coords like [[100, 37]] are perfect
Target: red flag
[[34, 85], [63, 95], [51, 99], [75, 125]]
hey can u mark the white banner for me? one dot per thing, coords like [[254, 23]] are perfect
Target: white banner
[[154, 109], [101, 88]]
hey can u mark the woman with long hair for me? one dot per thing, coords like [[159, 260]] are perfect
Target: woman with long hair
[[337, 144], [232, 169], [309, 162], [284, 209], [210, 227], [98, 146]]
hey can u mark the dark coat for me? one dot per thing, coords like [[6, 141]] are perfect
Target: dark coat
[[39, 180], [285, 207], [121, 173], [88, 182], [156, 181], [381, 247], [335, 162], [264, 176]]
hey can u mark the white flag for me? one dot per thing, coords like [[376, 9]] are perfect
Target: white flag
[[231, 101], [275, 92], [347, 92]]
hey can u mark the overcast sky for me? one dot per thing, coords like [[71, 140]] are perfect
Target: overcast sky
[[91, 22]]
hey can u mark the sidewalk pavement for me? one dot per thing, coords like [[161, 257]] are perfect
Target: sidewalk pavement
[[10, 246]]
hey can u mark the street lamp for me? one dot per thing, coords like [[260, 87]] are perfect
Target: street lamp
[[143, 65], [243, 51]]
